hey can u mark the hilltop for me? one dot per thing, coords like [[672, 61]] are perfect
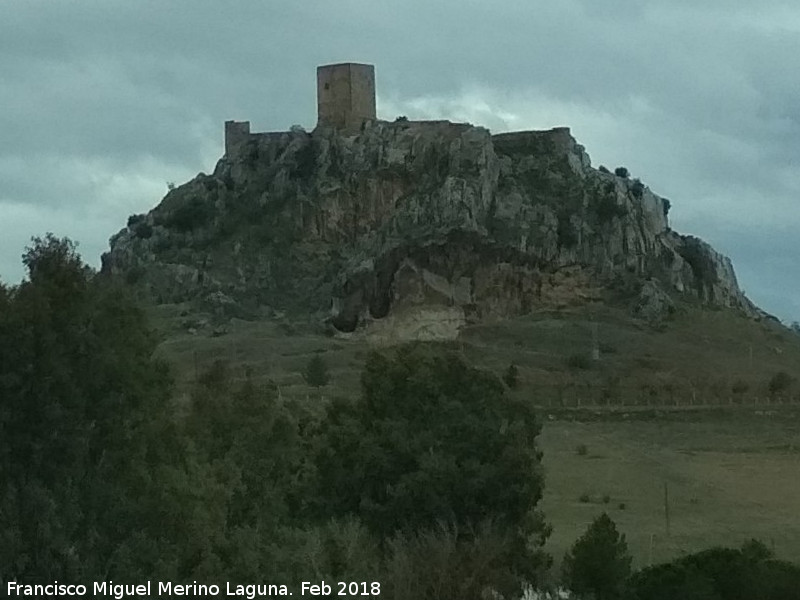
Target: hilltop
[[412, 230]]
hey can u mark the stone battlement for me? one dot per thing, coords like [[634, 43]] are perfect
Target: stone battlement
[[345, 101]]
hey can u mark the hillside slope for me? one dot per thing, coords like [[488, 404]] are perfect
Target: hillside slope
[[415, 229]]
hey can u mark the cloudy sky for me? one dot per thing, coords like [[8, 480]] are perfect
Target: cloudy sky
[[103, 102]]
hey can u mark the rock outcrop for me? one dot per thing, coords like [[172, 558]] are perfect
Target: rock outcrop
[[415, 227]]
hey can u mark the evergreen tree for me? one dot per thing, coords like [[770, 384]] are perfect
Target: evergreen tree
[[598, 563]]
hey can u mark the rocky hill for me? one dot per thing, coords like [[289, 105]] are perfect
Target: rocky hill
[[412, 229]]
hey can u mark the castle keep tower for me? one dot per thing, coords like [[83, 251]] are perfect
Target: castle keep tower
[[345, 95]]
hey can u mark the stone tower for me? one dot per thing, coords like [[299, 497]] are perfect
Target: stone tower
[[345, 95]]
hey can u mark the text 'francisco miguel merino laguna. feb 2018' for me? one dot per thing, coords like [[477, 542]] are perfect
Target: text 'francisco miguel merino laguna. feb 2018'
[[169, 589]]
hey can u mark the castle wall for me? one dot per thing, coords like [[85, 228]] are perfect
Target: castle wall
[[523, 141], [236, 134], [345, 95]]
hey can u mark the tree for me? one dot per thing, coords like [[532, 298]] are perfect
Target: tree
[[82, 422], [433, 441], [511, 376], [316, 372], [621, 172], [247, 448], [598, 563]]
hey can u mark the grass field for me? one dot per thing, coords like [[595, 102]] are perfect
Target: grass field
[[731, 474], [729, 477]]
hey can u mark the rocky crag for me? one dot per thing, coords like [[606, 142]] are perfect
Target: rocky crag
[[411, 229]]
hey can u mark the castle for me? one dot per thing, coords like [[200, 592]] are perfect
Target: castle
[[345, 101]]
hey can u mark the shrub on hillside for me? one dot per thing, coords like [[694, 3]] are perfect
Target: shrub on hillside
[[608, 209], [316, 372], [511, 376], [565, 232], [190, 215], [579, 361], [779, 383], [621, 172], [143, 230], [133, 220], [739, 387], [637, 189]]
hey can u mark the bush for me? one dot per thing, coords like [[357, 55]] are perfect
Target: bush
[[316, 372], [598, 564], [511, 376], [579, 361], [637, 189], [740, 387], [584, 498], [439, 563], [621, 172], [135, 219], [134, 275], [606, 348], [779, 383], [190, 215], [666, 205], [143, 230], [581, 450], [603, 169], [608, 209], [305, 161], [565, 232]]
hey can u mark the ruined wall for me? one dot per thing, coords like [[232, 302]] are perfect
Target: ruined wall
[[236, 134], [345, 95]]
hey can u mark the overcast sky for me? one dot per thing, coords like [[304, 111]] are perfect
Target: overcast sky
[[103, 102]]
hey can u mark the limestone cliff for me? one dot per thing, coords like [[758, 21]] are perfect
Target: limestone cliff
[[414, 228]]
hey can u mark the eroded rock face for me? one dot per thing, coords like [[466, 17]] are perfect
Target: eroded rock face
[[410, 220]]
